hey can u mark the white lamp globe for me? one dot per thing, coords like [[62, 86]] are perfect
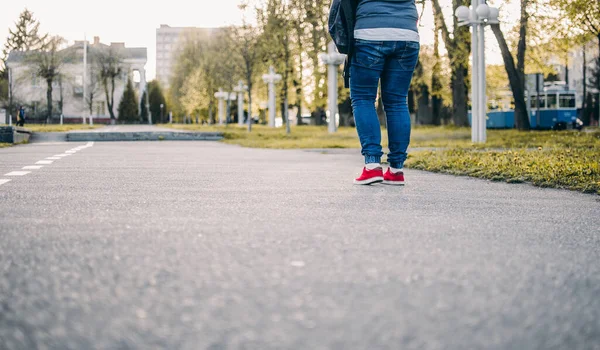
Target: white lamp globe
[[483, 11], [462, 13], [494, 14]]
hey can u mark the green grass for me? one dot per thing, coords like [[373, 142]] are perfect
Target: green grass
[[559, 159], [3, 144], [59, 128], [574, 169], [303, 137]]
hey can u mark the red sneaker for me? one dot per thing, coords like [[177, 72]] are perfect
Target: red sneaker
[[369, 177], [390, 178]]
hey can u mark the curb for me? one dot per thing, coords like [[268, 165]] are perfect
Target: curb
[[13, 134], [143, 136]]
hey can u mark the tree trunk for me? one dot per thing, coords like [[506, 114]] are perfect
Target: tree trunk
[[110, 99], [585, 79], [516, 85], [49, 100]]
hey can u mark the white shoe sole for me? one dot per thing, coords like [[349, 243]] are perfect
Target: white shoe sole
[[393, 183], [370, 181]]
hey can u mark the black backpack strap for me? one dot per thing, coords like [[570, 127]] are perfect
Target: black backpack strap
[[350, 7]]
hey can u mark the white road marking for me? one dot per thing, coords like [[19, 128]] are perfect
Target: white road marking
[[54, 158], [61, 155], [90, 144], [33, 167], [3, 181], [17, 173], [45, 162]]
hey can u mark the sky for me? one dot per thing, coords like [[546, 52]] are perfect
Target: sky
[[134, 22]]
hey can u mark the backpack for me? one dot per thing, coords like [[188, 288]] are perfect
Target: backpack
[[342, 17]]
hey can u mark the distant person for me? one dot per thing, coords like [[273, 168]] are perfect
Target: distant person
[[386, 50], [21, 116]]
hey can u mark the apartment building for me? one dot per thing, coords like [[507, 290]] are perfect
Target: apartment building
[[170, 41]]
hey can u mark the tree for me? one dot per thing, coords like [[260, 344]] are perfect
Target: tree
[[246, 37], [195, 95], [516, 72], [109, 65], [156, 98], [23, 38], [46, 63], [128, 107], [144, 107], [458, 46], [93, 87]]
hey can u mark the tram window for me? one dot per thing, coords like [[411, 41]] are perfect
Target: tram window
[[552, 102], [541, 99], [567, 101]]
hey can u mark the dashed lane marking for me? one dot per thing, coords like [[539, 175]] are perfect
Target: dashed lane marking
[[54, 158], [3, 181], [17, 173], [45, 162], [33, 167]]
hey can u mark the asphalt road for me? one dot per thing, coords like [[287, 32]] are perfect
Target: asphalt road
[[199, 245]]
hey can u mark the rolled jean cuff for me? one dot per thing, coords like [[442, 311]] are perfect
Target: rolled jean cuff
[[397, 165], [372, 159]]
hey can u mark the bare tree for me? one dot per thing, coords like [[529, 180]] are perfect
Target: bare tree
[[516, 72], [247, 44], [46, 64], [109, 63]]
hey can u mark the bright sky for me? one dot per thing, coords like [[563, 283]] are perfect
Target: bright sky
[[134, 22]]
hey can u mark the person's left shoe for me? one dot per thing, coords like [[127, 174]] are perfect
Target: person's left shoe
[[393, 178], [369, 177]]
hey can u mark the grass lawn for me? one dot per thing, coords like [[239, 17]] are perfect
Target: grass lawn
[[318, 137], [3, 144], [560, 159], [564, 159], [59, 128]]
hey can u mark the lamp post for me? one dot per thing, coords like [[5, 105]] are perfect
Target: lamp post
[[272, 78], [478, 16], [221, 96], [241, 89], [332, 59], [84, 81]]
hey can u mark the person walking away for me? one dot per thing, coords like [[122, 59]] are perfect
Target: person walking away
[[21, 116], [386, 51]]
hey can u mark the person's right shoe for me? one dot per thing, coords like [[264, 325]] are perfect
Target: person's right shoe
[[369, 177], [390, 178]]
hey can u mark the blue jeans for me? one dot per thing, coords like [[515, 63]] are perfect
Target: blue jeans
[[394, 63]]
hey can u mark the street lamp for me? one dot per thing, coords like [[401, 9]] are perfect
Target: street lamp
[[271, 79], [162, 115], [478, 16], [240, 90], [332, 59]]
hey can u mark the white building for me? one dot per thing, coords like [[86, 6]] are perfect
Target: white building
[[30, 90], [170, 41], [576, 65]]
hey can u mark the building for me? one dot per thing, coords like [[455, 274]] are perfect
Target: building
[[29, 90], [170, 41], [589, 53]]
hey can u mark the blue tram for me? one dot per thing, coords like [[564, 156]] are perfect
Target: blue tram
[[553, 109]]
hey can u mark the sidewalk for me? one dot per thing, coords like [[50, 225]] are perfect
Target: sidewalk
[[202, 245]]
